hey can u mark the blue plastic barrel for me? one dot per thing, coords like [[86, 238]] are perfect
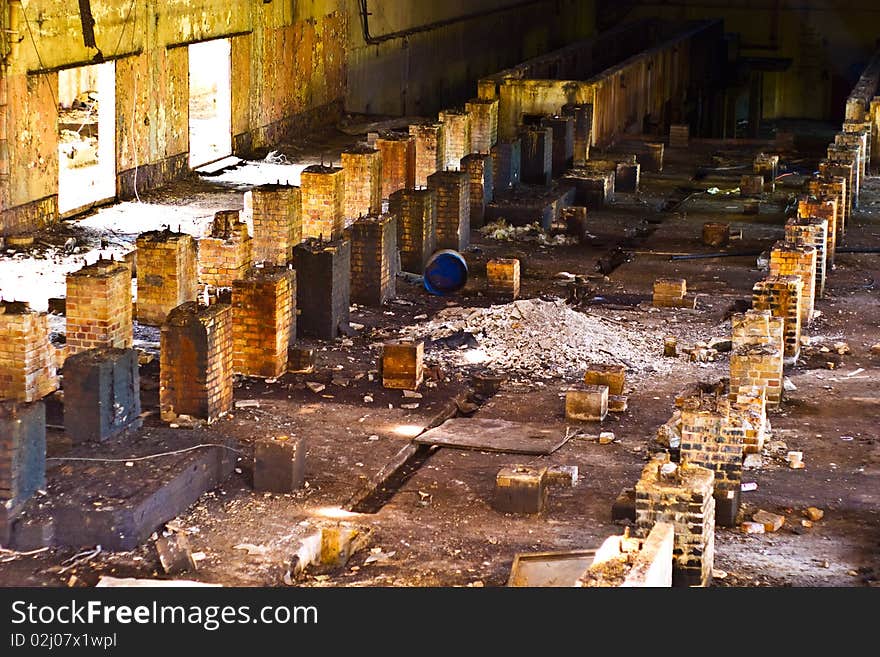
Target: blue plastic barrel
[[445, 273]]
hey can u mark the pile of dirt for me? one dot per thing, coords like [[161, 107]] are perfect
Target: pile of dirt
[[533, 339]]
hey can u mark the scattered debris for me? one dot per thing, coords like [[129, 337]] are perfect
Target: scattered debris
[[748, 486], [813, 513], [175, 554], [750, 527], [315, 387], [606, 437], [795, 460], [787, 385], [771, 521]]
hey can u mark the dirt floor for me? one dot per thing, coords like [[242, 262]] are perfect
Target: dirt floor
[[437, 528]]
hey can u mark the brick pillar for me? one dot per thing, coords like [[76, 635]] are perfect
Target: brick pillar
[[592, 188], [864, 130], [506, 163], [751, 185], [781, 296], [679, 135], [22, 453], [874, 120], [757, 327], [840, 174], [651, 158], [854, 110], [195, 362], [681, 495], [583, 129], [502, 277], [562, 156], [758, 365], [768, 167], [536, 155], [27, 358], [416, 212], [823, 208], [323, 272], [793, 260], [398, 152], [363, 181], [453, 208], [457, 133], [626, 177], [484, 123], [102, 394], [323, 199], [373, 259], [226, 253], [712, 438], [98, 307], [855, 135], [848, 155], [430, 141], [167, 274], [751, 404], [811, 231], [263, 320], [276, 215], [479, 168]]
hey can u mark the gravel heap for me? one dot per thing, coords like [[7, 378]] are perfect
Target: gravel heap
[[537, 339]]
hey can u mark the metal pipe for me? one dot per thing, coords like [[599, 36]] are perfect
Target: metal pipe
[[429, 27]]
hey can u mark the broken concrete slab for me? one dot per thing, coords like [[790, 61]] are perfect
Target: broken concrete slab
[[494, 436], [175, 554]]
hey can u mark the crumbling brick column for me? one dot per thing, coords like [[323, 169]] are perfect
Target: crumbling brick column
[[276, 215], [758, 365], [102, 394], [22, 453], [681, 495], [670, 293], [506, 163], [453, 208], [373, 259], [562, 156], [824, 208], [457, 135], [874, 119], [323, 272], [751, 185], [811, 231], [849, 156], [536, 155], [626, 176], [195, 362], [593, 188], [855, 136], [167, 274], [363, 181], [751, 404], [712, 437], [430, 142], [679, 136], [863, 130], [839, 177], [98, 307], [502, 276], [781, 296], [323, 199], [768, 167], [479, 167], [792, 260], [651, 158], [398, 152], [583, 129], [226, 253], [416, 212], [263, 320], [484, 123], [27, 358]]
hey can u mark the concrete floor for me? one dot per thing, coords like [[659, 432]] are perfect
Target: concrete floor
[[438, 528]]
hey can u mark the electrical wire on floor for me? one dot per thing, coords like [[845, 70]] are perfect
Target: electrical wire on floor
[[144, 458]]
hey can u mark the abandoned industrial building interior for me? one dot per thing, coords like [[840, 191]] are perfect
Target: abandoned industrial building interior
[[389, 293]]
